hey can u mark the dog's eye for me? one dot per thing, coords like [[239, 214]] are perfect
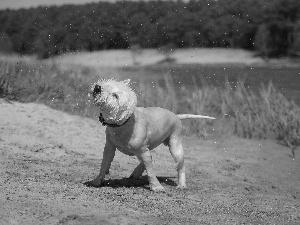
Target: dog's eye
[[115, 95], [96, 91]]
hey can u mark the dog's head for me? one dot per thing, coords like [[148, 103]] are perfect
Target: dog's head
[[115, 99]]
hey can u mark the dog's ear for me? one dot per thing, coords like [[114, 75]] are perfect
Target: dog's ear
[[127, 81]]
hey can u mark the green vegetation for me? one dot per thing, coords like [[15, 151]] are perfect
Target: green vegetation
[[270, 26], [263, 115], [267, 114], [40, 82]]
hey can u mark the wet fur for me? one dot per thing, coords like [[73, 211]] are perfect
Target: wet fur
[[145, 129]]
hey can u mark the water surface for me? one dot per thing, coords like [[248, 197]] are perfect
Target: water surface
[[286, 80]]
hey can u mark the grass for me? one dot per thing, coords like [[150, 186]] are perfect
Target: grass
[[63, 90], [263, 115], [266, 114]]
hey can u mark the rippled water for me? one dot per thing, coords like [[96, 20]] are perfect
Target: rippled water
[[286, 80]]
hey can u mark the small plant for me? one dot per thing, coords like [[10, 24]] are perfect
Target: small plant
[[167, 50], [136, 51]]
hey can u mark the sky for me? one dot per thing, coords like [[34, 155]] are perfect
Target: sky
[[17, 4]]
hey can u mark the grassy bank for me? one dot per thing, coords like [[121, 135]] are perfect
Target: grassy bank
[[266, 114]]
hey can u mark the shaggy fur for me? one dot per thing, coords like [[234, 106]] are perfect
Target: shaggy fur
[[116, 101], [137, 130]]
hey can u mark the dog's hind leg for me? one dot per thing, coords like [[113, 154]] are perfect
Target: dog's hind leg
[[138, 171], [176, 149]]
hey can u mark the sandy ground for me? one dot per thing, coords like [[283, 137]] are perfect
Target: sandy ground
[[123, 58], [46, 156]]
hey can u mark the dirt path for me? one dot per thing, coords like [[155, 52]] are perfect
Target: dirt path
[[46, 156]]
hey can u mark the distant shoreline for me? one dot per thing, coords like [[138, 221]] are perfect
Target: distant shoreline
[[152, 57]]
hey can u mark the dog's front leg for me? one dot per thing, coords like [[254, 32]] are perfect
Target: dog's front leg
[[138, 171], [146, 158], [108, 156]]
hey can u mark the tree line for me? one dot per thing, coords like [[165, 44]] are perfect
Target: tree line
[[270, 26]]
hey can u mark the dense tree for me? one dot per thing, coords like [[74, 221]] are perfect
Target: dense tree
[[49, 31], [277, 33], [296, 41], [5, 43]]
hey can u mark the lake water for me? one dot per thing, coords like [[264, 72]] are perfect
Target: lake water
[[286, 80]]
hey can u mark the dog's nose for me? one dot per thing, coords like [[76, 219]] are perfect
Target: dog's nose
[[96, 91]]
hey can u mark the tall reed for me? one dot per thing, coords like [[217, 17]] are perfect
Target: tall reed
[[63, 90], [264, 114]]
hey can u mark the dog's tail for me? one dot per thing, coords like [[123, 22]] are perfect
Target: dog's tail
[[191, 116]]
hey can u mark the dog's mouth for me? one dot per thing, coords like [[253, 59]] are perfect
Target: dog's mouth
[[96, 91], [96, 94]]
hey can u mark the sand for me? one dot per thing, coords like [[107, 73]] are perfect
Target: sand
[[47, 156]]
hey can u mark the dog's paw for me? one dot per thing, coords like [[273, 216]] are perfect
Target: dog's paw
[[181, 187], [92, 183], [157, 188]]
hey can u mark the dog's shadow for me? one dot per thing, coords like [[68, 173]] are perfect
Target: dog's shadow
[[129, 182]]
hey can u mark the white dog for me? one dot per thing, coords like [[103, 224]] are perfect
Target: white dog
[[136, 130]]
